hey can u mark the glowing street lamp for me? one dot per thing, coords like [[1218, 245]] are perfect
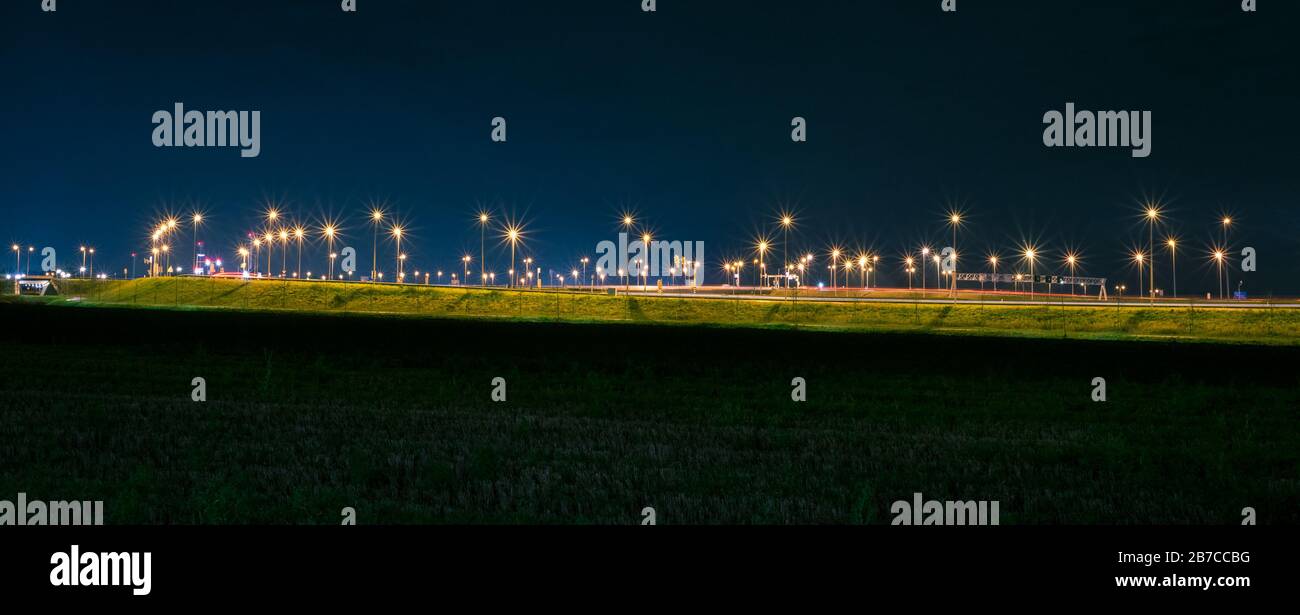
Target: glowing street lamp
[[483, 219], [1140, 259], [195, 219], [1152, 216], [1172, 244], [954, 220], [376, 218], [298, 234], [1072, 260], [1218, 256], [284, 252], [396, 232], [835, 259], [1031, 255], [330, 231], [925, 256], [1226, 222], [512, 234], [909, 261], [645, 268], [18, 258], [787, 221], [269, 239], [993, 260]]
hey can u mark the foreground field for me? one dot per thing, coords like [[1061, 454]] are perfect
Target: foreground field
[[1261, 326], [307, 414]]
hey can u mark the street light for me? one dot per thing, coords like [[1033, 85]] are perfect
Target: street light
[[645, 266], [512, 234], [993, 260], [954, 220], [329, 231], [1031, 255], [376, 218], [195, 219], [483, 219], [1153, 216], [284, 252], [298, 234], [787, 221], [269, 238], [396, 232], [1219, 255], [1173, 262], [1072, 260], [925, 255], [1141, 259], [1226, 222]]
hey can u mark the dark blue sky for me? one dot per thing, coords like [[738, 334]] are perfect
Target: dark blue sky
[[683, 115]]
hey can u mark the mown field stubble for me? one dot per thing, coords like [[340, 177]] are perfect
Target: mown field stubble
[[309, 413]]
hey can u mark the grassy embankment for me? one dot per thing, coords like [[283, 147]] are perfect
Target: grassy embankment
[[1271, 326]]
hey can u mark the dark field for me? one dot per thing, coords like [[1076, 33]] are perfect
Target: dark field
[[308, 414]]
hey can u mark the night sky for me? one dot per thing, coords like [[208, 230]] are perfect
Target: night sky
[[682, 115]]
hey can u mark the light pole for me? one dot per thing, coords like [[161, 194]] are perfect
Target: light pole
[[925, 256], [1153, 215], [272, 215], [835, 259], [243, 253], [284, 253], [1227, 221], [396, 231], [376, 218], [195, 220], [18, 258], [483, 219], [1218, 260], [645, 266], [1071, 259], [954, 220], [92, 262], [938, 273], [787, 221], [584, 269], [1140, 258], [257, 256], [329, 231], [269, 238], [1030, 255], [299, 234], [30, 250], [993, 260], [1173, 262], [512, 235], [910, 269], [83, 261]]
